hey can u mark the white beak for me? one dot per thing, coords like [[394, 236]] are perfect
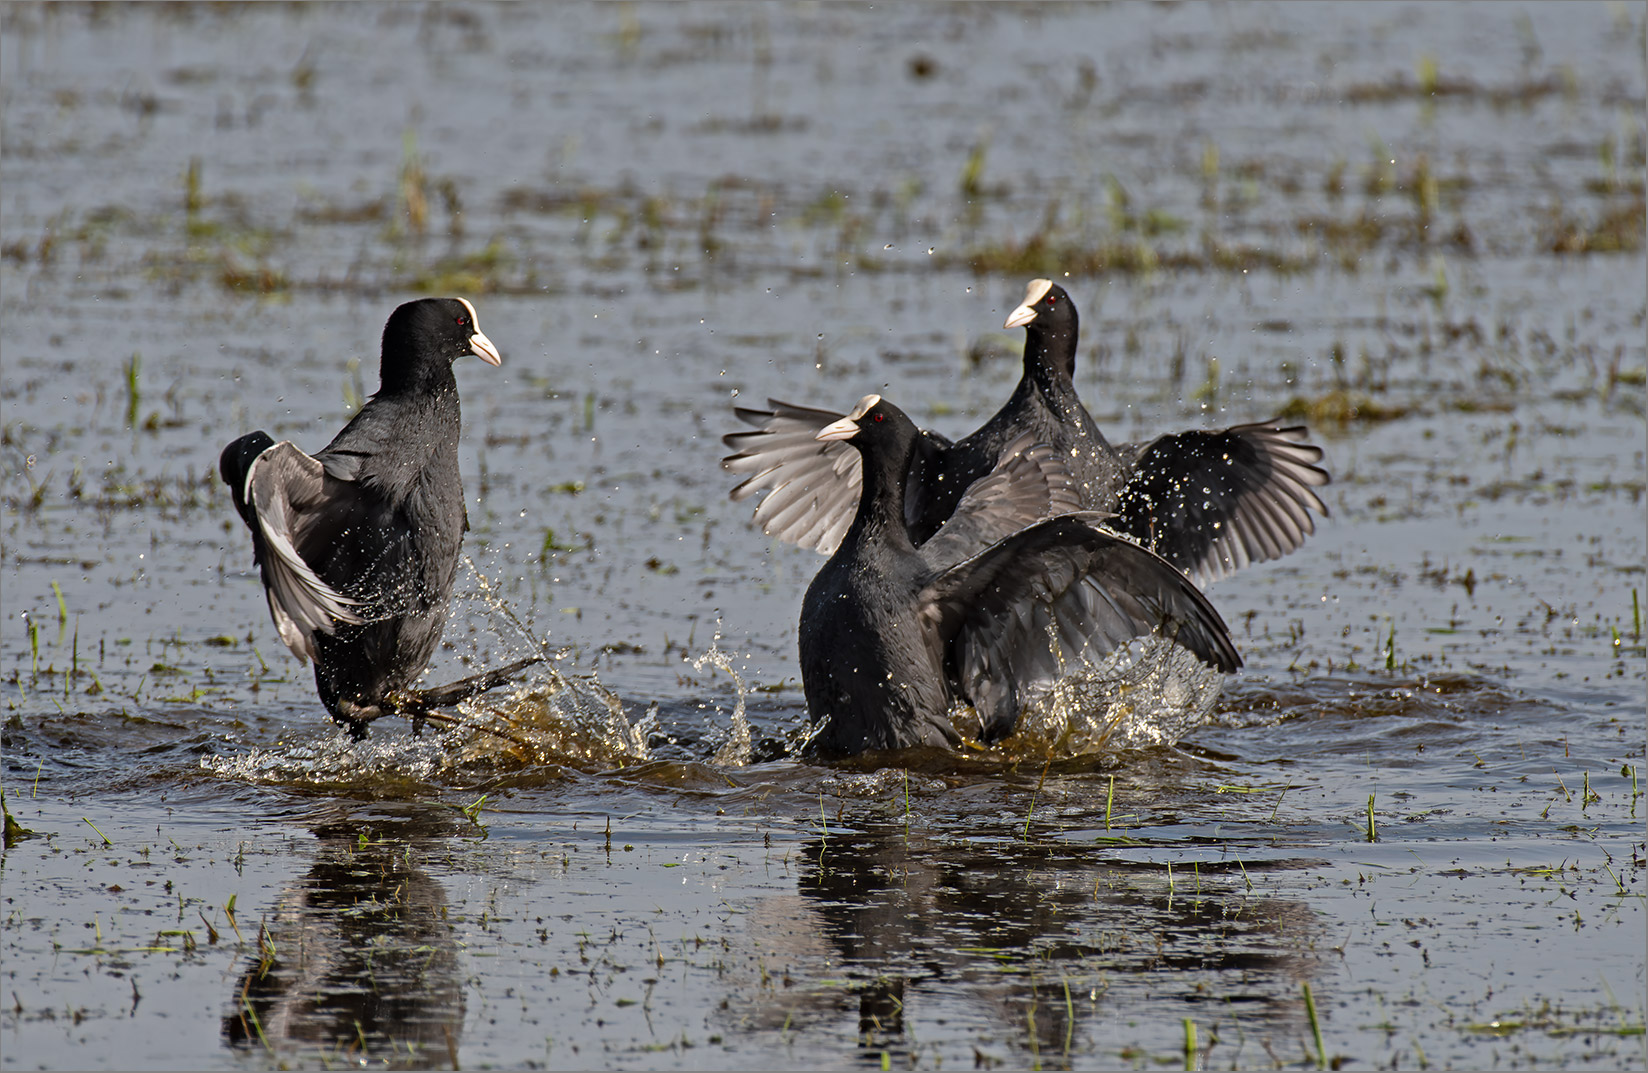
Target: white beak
[[1026, 312], [845, 429], [1019, 317], [482, 348]]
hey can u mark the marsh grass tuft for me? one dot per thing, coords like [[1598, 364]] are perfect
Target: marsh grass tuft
[[14, 831], [134, 395], [972, 171]]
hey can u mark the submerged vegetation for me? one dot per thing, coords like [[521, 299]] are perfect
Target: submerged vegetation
[[1252, 216]]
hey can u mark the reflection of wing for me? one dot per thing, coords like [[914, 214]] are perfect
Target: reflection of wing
[[1210, 503], [287, 492], [812, 488], [1061, 582], [1028, 484]]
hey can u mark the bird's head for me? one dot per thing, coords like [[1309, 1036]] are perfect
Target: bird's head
[[873, 422], [1046, 307], [429, 335]]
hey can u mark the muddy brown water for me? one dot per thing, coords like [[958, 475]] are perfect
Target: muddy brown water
[[1412, 825]]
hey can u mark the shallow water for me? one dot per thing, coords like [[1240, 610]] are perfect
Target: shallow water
[[1419, 228]]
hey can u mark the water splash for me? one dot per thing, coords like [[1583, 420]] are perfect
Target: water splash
[[555, 718], [1148, 693], [548, 718], [323, 760], [735, 750], [552, 717], [551, 720], [500, 618]]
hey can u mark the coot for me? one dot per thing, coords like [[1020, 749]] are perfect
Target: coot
[[893, 633], [1210, 502], [358, 545]]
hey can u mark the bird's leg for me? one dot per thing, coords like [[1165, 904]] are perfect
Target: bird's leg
[[412, 700], [356, 716]]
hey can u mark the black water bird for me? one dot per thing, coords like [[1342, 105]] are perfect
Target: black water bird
[[1210, 502], [358, 545], [893, 634]]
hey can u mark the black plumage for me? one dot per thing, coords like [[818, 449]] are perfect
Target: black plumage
[[358, 545], [1210, 502], [992, 610]]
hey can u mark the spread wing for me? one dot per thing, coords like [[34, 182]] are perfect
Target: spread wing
[[296, 504], [1210, 503], [811, 487], [1025, 612], [1029, 483]]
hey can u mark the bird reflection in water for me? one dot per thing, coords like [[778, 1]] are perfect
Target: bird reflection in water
[[357, 960], [1051, 934]]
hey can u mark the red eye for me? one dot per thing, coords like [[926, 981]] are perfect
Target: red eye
[[1050, 299], [462, 320], [878, 417]]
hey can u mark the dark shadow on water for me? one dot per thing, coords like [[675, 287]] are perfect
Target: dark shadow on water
[[357, 962]]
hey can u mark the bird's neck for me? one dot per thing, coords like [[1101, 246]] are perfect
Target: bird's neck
[[881, 503], [428, 379], [1050, 362]]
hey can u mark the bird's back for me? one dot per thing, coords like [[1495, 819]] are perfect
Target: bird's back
[[393, 473]]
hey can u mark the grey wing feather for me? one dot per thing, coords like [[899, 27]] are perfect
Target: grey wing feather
[[811, 487], [1032, 608], [1029, 483], [285, 487], [1213, 502]]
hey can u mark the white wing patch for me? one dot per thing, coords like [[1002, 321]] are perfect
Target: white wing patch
[[811, 486], [299, 601]]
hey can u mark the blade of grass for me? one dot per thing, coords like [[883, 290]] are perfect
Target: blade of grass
[[1315, 1027]]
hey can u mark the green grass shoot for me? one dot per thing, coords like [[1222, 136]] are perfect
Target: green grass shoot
[[1031, 811], [1315, 1027], [134, 394]]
